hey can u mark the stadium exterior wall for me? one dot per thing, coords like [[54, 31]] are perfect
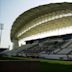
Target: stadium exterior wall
[[41, 19]]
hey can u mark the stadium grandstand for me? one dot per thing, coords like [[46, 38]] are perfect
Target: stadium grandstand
[[3, 51], [32, 32]]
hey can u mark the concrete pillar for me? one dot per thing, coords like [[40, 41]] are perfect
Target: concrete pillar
[[15, 44]]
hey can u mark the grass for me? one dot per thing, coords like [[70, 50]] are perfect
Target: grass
[[57, 62], [56, 66], [47, 65]]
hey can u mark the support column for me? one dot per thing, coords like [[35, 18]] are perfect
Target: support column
[[15, 44]]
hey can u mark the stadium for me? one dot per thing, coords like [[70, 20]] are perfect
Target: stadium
[[32, 36]]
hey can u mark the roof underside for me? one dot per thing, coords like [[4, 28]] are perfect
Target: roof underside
[[33, 13]]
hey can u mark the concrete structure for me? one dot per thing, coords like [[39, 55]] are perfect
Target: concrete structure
[[41, 19], [38, 21], [3, 50], [54, 47]]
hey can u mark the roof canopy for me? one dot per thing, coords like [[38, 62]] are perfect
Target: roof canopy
[[33, 13]]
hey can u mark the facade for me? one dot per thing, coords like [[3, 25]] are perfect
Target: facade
[[41, 19], [37, 22]]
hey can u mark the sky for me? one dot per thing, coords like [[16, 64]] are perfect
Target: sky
[[11, 9]]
